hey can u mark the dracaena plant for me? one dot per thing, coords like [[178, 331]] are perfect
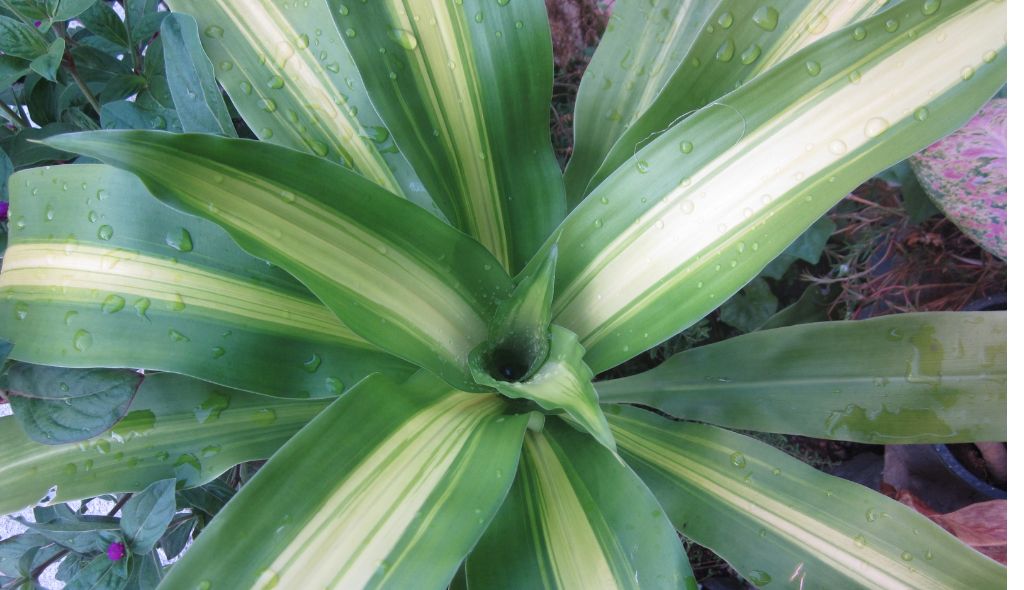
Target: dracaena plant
[[427, 265]]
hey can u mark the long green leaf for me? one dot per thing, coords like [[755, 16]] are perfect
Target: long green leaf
[[458, 85], [177, 427], [741, 40], [292, 79], [778, 521], [705, 206], [908, 378], [396, 275], [632, 63], [197, 98], [415, 472], [577, 517], [101, 274]]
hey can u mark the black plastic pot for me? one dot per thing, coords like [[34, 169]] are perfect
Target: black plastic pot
[[981, 489]]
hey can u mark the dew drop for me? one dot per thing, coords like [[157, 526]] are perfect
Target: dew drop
[[907, 556], [759, 577], [112, 304], [214, 32], [179, 239], [105, 232], [892, 25], [930, 7], [82, 340], [246, 87], [685, 146], [343, 10], [350, 33], [275, 82], [837, 147], [725, 20], [738, 460], [268, 104], [854, 77], [726, 51], [813, 68], [989, 56], [642, 166], [334, 385], [860, 541], [177, 336], [875, 126], [750, 54], [141, 306], [404, 38], [967, 73], [859, 33], [302, 41], [766, 17], [312, 363], [287, 196], [217, 352]]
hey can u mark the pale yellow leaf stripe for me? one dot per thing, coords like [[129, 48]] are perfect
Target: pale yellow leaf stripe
[[574, 552], [777, 514], [769, 164], [359, 526], [286, 54], [88, 268]]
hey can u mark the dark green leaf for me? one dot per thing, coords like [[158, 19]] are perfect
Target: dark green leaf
[[122, 86], [20, 40], [811, 307], [749, 309], [915, 200], [103, 21], [101, 574], [24, 151], [11, 68], [49, 419], [155, 71], [209, 498], [13, 548], [197, 97], [147, 26], [43, 382], [177, 536], [62, 10], [807, 247], [6, 168], [143, 572], [69, 567], [27, 9], [47, 64], [145, 516], [89, 535], [125, 114]]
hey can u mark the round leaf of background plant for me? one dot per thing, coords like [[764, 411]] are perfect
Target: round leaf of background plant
[[965, 174]]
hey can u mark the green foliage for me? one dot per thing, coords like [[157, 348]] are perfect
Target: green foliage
[[401, 254]]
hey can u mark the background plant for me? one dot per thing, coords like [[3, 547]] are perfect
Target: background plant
[[468, 438]]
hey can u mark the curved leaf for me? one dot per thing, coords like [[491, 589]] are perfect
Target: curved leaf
[[417, 471], [197, 99], [908, 378], [741, 40], [458, 85], [576, 517], [177, 427], [95, 258], [715, 198], [292, 79], [396, 275], [778, 521], [625, 75]]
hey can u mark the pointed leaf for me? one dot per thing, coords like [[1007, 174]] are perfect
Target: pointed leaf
[[177, 427], [292, 79], [396, 275], [458, 85], [417, 471], [100, 574], [742, 40], [662, 243], [20, 40], [94, 256], [46, 65], [631, 64], [788, 522], [197, 97], [101, 20], [577, 517], [145, 515], [561, 384], [908, 378]]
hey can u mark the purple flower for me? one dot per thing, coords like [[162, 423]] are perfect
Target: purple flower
[[4, 207], [38, 22], [115, 551]]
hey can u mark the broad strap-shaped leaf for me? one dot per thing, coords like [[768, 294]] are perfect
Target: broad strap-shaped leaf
[[633, 61], [176, 427], [741, 40], [399, 277], [292, 79], [908, 378], [391, 486], [778, 521], [197, 98], [561, 384], [101, 274], [661, 243], [465, 89], [577, 517]]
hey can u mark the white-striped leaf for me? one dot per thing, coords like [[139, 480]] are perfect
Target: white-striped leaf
[[741, 40], [391, 486], [906, 378], [633, 61], [292, 79], [577, 517], [781, 523], [100, 274], [399, 277], [667, 238], [176, 427], [458, 85]]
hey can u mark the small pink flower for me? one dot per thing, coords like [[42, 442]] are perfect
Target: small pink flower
[[115, 551], [38, 22], [4, 207]]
